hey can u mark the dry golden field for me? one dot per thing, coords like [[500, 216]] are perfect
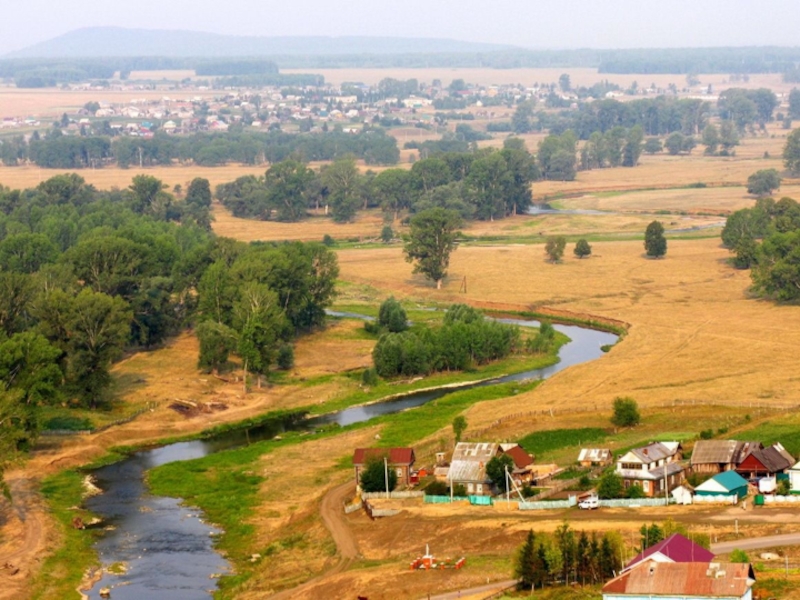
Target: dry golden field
[[695, 334], [44, 103]]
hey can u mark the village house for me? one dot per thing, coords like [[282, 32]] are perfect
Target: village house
[[684, 580], [401, 460], [655, 467], [763, 462], [675, 548], [523, 471], [595, 457], [729, 483], [468, 467], [716, 456]]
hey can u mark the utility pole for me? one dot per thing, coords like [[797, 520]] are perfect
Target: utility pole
[[386, 475]]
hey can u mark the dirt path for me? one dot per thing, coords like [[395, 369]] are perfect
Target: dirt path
[[27, 536], [759, 543], [346, 546]]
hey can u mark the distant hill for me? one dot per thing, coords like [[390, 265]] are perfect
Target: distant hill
[[97, 42]]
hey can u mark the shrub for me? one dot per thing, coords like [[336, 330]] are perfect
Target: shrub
[[610, 485], [369, 377], [706, 434], [437, 488], [635, 491], [739, 556], [392, 316], [328, 240], [626, 412], [387, 235], [285, 358]]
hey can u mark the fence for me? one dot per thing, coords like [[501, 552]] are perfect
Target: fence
[[392, 495], [770, 499], [716, 499], [634, 502], [351, 508], [444, 499], [568, 503]]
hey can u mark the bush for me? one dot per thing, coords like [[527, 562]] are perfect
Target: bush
[[387, 235], [328, 240], [285, 358], [369, 377], [635, 491], [706, 434], [68, 423], [392, 316], [739, 556], [610, 485], [626, 412], [437, 488], [529, 492]]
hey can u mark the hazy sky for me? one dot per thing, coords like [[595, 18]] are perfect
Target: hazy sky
[[529, 23]]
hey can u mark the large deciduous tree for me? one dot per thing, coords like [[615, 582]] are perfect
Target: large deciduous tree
[[431, 240], [791, 152], [763, 182], [655, 244]]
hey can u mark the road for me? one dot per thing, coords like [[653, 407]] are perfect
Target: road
[[759, 543], [334, 518], [477, 592]]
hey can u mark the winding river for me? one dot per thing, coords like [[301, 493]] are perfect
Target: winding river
[[168, 550]]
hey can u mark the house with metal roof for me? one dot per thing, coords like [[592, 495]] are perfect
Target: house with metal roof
[[687, 581], [763, 462], [401, 460], [675, 548], [716, 456], [723, 484], [655, 467], [595, 457], [468, 467]]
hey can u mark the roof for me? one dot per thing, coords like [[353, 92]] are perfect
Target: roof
[[521, 458], [677, 548], [715, 451], [723, 580], [469, 461], [594, 454], [655, 451], [396, 456], [656, 473], [775, 458], [729, 480]]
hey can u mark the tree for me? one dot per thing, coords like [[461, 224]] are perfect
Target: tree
[[375, 476], [387, 235], [564, 82], [496, 471], [776, 272], [217, 341], [674, 143], [739, 556], [459, 427], [626, 412], [763, 182], [393, 190], [791, 152], [653, 145], [342, 181], [650, 536], [524, 566], [521, 120], [711, 139], [655, 244], [392, 316], [633, 146], [431, 240], [794, 104], [610, 485], [555, 247], [288, 183], [582, 248]]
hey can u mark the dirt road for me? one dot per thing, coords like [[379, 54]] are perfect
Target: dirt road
[[28, 532], [333, 516], [771, 541]]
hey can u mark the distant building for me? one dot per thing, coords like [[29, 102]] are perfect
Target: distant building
[[716, 456], [675, 548], [468, 467], [763, 462], [687, 581], [401, 460], [728, 483], [595, 457], [654, 467]]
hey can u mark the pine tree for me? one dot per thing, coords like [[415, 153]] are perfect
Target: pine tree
[[524, 569]]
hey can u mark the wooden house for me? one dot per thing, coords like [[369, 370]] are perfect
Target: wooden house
[[728, 483], [655, 467], [468, 467], [716, 456], [523, 471], [595, 457], [763, 462], [401, 460], [687, 581]]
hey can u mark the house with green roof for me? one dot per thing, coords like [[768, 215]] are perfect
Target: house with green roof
[[727, 483]]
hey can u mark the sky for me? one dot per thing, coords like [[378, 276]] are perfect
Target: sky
[[526, 23]]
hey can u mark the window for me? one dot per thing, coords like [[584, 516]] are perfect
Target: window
[[646, 486]]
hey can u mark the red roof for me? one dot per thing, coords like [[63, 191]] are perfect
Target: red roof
[[678, 549], [521, 458], [697, 579], [396, 456]]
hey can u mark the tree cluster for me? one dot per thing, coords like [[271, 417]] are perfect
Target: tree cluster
[[567, 557], [464, 339], [766, 239]]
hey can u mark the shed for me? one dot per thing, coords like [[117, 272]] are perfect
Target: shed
[[723, 484], [682, 494], [593, 457], [794, 478]]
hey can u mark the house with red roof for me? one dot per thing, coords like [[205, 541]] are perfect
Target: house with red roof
[[763, 462], [687, 581], [675, 548], [399, 459]]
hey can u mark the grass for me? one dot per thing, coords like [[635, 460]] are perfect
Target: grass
[[63, 570], [540, 443], [786, 431]]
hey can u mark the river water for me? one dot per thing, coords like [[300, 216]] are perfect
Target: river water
[[168, 549]]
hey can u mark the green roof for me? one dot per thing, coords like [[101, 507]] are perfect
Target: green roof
[[731, 480]]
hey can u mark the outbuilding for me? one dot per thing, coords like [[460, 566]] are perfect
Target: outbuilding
[[723, 484]]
